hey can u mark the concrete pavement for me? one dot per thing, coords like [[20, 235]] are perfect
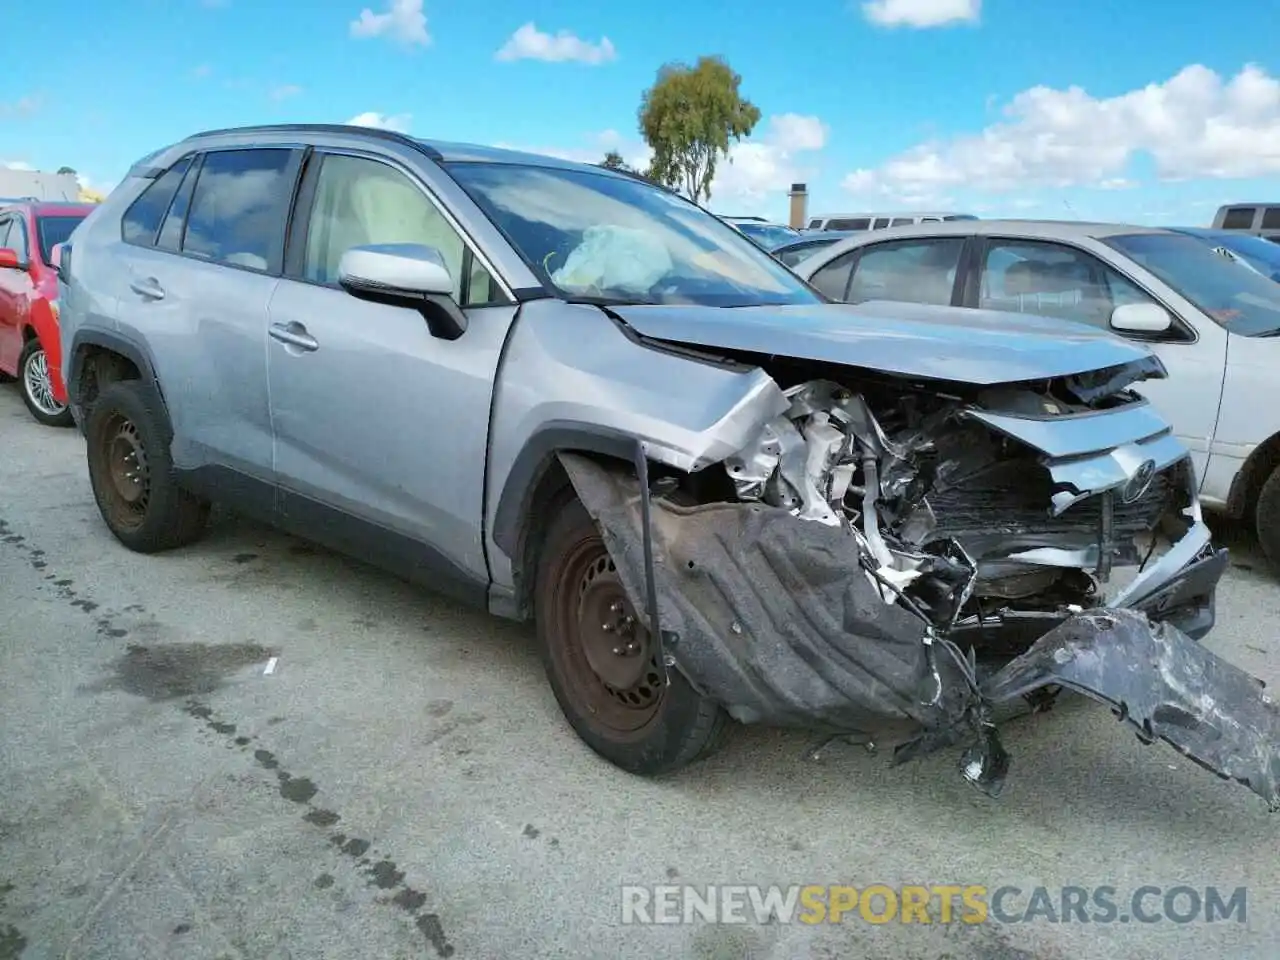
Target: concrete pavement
[[402, 783]]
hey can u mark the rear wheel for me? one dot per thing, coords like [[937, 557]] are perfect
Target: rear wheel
[[602, 664], [35, 380], [132, 475]]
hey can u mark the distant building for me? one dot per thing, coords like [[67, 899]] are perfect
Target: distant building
[[24, 184]]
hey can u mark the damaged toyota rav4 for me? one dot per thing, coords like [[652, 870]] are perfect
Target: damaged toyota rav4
[[568, 395]]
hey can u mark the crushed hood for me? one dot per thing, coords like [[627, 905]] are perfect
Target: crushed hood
[[979, 347]]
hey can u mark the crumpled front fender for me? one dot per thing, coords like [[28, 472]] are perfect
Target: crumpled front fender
[[1167, 686], [773, 618]]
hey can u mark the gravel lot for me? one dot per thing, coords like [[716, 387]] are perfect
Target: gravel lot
[[403, 785]]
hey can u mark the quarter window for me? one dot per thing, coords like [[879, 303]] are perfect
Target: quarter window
[[860, 223], [881, 223], [1052, 280], [1271, 218], [239, 208], [913, 271], [171, 232], [142, 220], [360, 201], [833, 279]]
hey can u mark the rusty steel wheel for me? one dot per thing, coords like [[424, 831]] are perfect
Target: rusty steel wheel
[[602, 663], [611, 662], [129, 491], [132, 475]]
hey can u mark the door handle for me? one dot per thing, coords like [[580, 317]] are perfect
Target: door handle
[[295, 335], [148, 287]]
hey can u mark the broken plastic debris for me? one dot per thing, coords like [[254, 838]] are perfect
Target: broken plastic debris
[[271, 666]]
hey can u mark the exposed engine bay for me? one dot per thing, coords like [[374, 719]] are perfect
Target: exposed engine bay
[[896, 560], [953, 519]]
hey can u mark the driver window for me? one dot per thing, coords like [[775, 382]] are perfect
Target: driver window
[[1053, 281], [360, 201]]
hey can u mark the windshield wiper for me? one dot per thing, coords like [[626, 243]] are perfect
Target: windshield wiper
[[598, 301]]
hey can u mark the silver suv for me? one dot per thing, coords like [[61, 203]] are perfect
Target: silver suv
[[564, 394]]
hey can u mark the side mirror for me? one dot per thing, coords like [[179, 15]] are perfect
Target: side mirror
[[404, 275], [1141, 318], [10, 260]]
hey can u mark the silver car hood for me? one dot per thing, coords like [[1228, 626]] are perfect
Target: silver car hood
[[961, 345]]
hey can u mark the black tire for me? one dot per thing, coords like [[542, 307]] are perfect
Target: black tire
[[42, 409], [126, 419], [1266, 519], [669, 727]]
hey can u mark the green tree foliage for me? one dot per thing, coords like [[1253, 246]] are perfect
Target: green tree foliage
[[66, 170], [613, 161], [689, 117]]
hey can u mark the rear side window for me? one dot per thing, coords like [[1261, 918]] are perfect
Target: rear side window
[[912, 271], [239, 208], [1271, 218], [902, 221], [1238, 218], [815, 224], [858, 224], [141, 221], [882, 223]]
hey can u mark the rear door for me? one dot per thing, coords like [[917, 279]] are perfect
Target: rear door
[[197, 295], [911, 270]]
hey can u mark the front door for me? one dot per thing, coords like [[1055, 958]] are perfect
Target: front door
[[381, 429], [1059, 280], [15, 293]]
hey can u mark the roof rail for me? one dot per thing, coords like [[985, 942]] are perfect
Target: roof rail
[[377, 132]]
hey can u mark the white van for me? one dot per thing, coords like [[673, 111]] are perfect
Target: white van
[[1259, 219], [878, 221]]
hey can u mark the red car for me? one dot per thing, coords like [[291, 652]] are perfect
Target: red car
[[29, 347]]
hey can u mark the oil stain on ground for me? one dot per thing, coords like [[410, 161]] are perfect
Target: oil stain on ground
[[383, 874], [171, 671]]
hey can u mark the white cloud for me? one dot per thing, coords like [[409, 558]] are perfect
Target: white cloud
[[1195, 124], [398, 122], [17, 165], [286, 91], [403, 21], [763, 169], [530, 43], [921, 13], [22, 107]]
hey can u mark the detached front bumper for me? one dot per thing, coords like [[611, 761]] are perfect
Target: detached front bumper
[[772, 617]]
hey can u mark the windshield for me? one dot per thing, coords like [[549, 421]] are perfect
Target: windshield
[[768, 235], [53, 231], [608, 239], [1240, 300]]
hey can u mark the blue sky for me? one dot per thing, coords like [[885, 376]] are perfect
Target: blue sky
[[1088, 108]]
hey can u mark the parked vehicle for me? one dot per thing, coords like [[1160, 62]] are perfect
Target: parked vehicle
[[1255, 253], [795, 249], [566, 395], [29, 351], [764, 233], [879, 221], [1215, 327], [1258, 219]]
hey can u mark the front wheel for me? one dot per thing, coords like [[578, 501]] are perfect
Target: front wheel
[[132, 475], [1267, 519], [36, 383], [602, 664]]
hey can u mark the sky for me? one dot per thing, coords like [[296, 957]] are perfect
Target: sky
[[1091, 109]]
